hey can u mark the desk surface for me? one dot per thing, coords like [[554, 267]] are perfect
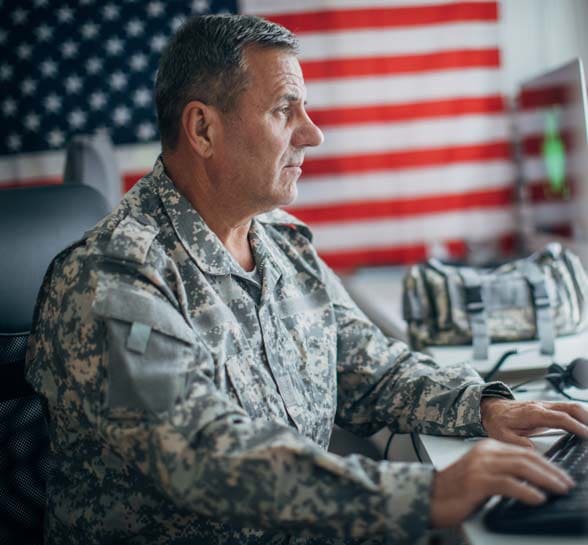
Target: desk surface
[[529, 357], [443, 451], [378, 292]]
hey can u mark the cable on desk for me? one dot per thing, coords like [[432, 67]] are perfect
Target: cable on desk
[[559, 389], [524, 383], [412, 440], [415, 447], [387, 448], [490, 374]]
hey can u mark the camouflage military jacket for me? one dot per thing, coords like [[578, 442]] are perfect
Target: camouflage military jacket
[[190, 405]]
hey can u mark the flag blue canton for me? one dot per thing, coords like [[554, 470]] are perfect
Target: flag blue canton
[[79, 67]]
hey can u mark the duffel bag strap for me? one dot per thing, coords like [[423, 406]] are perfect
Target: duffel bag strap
[[542, 304], [476, 312], [412, 308]]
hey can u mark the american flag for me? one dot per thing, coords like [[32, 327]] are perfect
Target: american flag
[[71, 68], [416, 159]]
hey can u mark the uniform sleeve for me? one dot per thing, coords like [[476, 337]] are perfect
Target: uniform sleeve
[[382, 383], [147, 385]]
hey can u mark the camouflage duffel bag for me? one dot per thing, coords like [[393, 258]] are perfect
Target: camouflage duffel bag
[[539, 297]]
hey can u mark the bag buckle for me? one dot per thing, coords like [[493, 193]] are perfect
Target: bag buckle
[[540, 295], [474, 302]]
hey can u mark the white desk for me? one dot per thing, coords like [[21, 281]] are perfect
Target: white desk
[[443, 451], [528, 359], [378, 292]]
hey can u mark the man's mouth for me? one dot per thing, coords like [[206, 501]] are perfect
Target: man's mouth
[[295, 163]]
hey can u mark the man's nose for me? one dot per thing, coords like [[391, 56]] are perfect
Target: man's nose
[[308, 134]]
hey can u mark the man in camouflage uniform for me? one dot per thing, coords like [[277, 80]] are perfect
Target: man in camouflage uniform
[[194, 350]]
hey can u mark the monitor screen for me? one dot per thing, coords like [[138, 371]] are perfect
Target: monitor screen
[[552, 128]]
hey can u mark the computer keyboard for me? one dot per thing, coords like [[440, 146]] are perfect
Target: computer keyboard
[[566, 514]]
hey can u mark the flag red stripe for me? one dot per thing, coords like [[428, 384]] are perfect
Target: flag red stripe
[[530, 99], [131, 178], [380, 113], [406, 159], [30, 182], [560, 230], [400, 64], [355, 258], [540, 191], [532, 144], [399, 208], [385, 17]]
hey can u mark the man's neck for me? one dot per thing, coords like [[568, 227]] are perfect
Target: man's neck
[[229, 223]]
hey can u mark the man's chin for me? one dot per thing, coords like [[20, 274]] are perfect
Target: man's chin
[[290, 198], [282, 202]]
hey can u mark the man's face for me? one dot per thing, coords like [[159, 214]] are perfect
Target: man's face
[[264, 136]]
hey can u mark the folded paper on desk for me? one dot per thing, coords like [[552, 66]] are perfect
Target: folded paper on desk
[[541, 296]]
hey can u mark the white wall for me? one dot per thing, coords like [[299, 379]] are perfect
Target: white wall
[[538, 35]]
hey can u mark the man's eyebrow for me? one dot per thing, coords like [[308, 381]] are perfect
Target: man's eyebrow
[[291, 97]]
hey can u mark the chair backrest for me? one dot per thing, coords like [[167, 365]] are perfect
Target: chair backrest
[[35, 224], [90, 160]]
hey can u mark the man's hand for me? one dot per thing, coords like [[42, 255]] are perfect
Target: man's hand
[[513, 421], [494, 468], [488, 469]]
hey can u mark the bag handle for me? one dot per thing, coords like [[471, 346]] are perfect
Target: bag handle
[[476, 311], [544, 318]]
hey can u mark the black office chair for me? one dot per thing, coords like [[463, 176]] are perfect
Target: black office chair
[[35, 224]]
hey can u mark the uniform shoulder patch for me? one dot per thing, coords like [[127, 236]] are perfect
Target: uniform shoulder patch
[[132, 238]]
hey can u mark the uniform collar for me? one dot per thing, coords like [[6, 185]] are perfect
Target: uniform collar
[[203, 246]]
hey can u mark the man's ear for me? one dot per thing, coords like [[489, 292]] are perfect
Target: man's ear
[[199, 124]]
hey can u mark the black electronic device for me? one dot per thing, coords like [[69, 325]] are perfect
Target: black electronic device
[[574, 375], [566, 514]]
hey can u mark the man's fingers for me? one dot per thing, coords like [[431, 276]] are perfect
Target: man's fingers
[[558, 419], [537, 471], [519, 490], [514, 439], [573, 409], [493, 468]]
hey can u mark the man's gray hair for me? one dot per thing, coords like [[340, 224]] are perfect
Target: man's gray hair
[[204, 61]]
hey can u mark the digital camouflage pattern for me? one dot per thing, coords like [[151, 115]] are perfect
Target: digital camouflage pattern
[[435, 301], [191, 404]]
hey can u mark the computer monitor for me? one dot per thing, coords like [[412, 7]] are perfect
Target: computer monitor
[[551, 122]]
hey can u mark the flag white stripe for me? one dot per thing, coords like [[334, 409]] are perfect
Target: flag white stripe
[[534, 121], [50, 164], [404, 183], [264, 7], [442, 84], [397, 41], [559, 213], [534, 170], [421, 134], [473, 225]]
